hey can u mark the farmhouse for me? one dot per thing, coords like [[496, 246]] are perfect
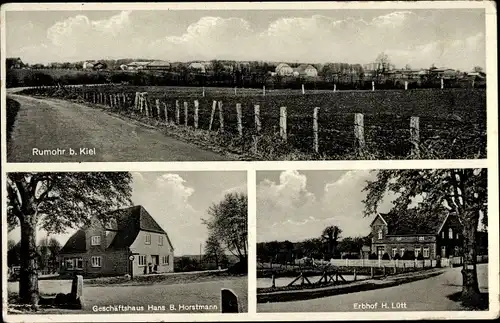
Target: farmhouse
[[137, 65], [429, 236], [284, 69], [200, 67], [132, 242], [88, 65], [305, 70], [158, 65]]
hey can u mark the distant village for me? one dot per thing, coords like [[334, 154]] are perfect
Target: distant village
[[329, 72]]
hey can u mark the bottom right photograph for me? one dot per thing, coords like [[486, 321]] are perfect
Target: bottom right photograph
[[372, 240]]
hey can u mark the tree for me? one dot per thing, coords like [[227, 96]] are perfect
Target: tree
[[331, 234], [477, 69], [383, 63], [54, 202], [213, 250], [462, 192], [13, 253], [54, 248], [228, 221]]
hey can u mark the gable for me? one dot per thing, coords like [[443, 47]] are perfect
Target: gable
[[76, 243], [413, 222]]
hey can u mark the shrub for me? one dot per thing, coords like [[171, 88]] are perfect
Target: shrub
[[397, 256], [373, 256], [386, 256], [408, 255]]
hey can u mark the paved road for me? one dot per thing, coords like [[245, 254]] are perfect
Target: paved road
[[424, 295], [202, 293], [56, 124]]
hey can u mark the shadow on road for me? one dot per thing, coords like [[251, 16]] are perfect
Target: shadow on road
[[482, 304], [12, 111]]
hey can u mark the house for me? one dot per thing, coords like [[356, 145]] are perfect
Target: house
[[430, 236], [131, 242], [14, 62], [200, 67], [284, 69], [445, 73], [100, 66], [88, 65], [158, 65], [305, 70], [137, 65]]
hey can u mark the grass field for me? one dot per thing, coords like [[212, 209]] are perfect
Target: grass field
[[452, 121]]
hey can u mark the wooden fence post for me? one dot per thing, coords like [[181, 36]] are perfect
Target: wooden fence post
[[264, 90], [235, 93], [238, 115], [256, 109], [136, 101], [442, 83], [166, 112], [177, 112], [221, 117], [203, 93], [214, 104], [283, 123], [157, 102], [315, 129], [146, 104], [415, 136], [185, 113], [124, 100], [196, 107], [303, 89], [406, 85], [359, 134], [373, 85], [334, 87]]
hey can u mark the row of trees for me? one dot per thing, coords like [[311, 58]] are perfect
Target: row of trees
[[327, 246], [47, 254]]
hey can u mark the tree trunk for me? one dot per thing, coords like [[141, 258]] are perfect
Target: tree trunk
[[470, 286], [28, 281]]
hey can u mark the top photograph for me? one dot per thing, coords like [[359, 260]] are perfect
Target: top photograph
[[244, 84]]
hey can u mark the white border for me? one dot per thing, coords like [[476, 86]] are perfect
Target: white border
[[491, 163]]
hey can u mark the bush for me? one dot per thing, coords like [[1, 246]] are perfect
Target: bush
[[373, 256], [397, 256], [420, 257], [409, 255], [386, 256]]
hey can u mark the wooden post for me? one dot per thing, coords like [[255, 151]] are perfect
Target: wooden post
[[315, 130], [124, 100], [303, 89], [256, 110], [473, 81], [355, 274], [359, 134], [177, 112], [406, 85], [203, 94], [334, 87], [238, 116], [274, 281], [373, 85], [146, 104], [442, 83], [415, 136], [264, 90], [166, 112], [235, 93], [283, 123], [157, 103], [136, 101], [94, 97], [196, 107], [214, 105], [185, 113], [221, 117], [372, 272]]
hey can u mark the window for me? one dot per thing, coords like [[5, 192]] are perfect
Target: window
[[160, 240], [168, 259], [417, 252], [443, 251], [394, 252], [79, 263], [69, 263], [142, 260], [421, 238], [442, 234], [95, 240], [148, 239], [96, 261], [456, 237], [402, 251], [450, 233], [380, 234], [426, 252], [165, 260]]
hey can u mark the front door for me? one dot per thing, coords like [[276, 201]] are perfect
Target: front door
[[155, 259], [380, 252], [443, 252]]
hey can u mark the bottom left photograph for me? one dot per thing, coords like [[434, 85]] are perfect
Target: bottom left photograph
[[126, 242]]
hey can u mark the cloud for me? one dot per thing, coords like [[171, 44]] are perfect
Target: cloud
[[407, 37], [286, 210]]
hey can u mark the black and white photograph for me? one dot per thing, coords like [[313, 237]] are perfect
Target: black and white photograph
[[372, 240], [127, 243], [251, 84]]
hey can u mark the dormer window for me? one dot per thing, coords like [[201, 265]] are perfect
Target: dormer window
[[148, 239], [380, 234], [450, 233], [95, 240]]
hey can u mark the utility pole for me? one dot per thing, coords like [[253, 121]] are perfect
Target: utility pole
[[200, 255]]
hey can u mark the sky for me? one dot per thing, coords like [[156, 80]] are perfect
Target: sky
[[296, 205], [178, 201], [453, 38]]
